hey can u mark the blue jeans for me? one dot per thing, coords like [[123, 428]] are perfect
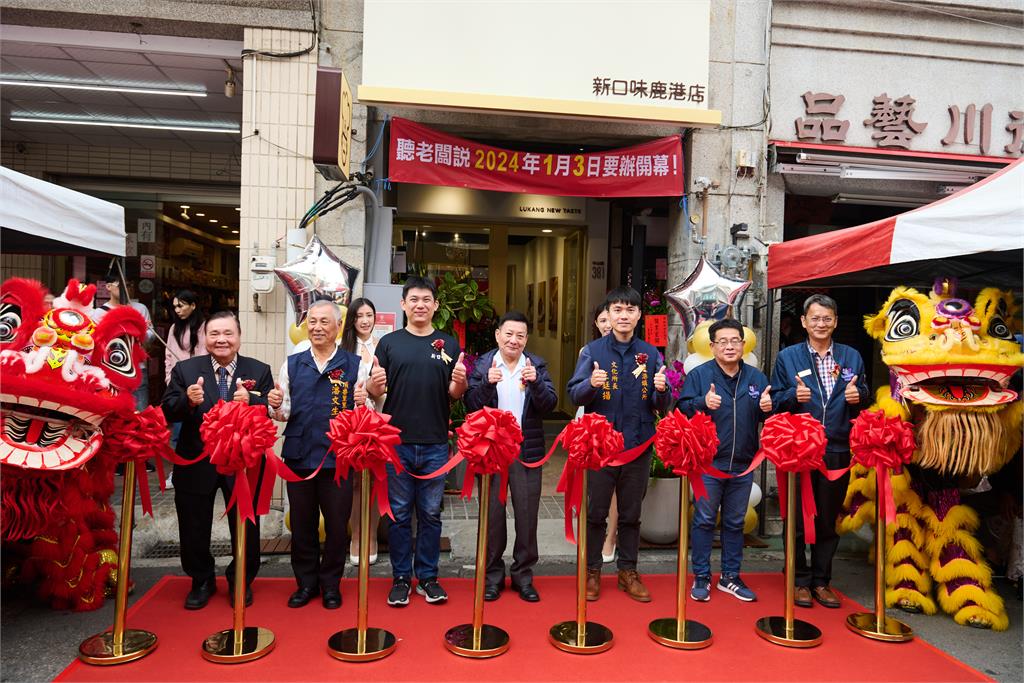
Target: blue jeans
[[732, 495], [404, 493]]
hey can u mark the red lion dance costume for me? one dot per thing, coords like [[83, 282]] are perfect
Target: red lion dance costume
[[61, 376]]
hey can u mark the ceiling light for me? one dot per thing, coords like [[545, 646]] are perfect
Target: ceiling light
[[229, 85], [234, 232], [184, 213], [238, 208], [197, 128], [103, 87], [546, 230], [185, 206], [868, 162], [423, 234], [201, 215]]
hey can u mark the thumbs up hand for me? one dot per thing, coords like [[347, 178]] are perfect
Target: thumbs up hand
[[378, 379], [360, 395], [766, 401], [459, 371], [852, 393], [529, 372], [803, 392], [711, 399], [195, 392], [494, 372], [660, 384], [275, 397], [241, 395], [598, 377]]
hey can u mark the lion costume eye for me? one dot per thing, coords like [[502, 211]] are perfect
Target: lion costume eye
[[904, 320], [10, 321], [998, 328], [118, 356]]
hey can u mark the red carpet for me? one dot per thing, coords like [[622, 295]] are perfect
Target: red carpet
[[737, 653]]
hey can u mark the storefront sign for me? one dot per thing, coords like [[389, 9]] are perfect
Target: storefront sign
[[423, 155], [384, 323], [508, 207], [131, 244], [147, 230], [656, 330], [147, 266], [574, 59]]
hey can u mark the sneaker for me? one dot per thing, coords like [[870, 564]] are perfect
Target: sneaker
[[701, 591], [432, 591], [399, 595], [734, 586]]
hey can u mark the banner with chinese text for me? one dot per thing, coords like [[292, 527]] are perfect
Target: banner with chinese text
[[426, 156]]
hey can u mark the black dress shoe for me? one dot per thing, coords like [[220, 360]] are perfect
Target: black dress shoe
[[529, 593], [332, 599], [302, 596], [200, 594], [248, 596], [492, 593]]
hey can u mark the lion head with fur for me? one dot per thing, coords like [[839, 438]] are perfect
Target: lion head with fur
[[950, 364]]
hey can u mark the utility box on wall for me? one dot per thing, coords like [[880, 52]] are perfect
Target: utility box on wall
[[332, 124]]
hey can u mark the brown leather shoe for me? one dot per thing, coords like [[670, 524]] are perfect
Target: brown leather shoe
[[593, 584], [629, 581], [825, 596], [802, 597]]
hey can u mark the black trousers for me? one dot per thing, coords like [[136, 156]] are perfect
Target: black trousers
[[828, 499], [524, 484], [195, 525], [307, 501], [629, 483]]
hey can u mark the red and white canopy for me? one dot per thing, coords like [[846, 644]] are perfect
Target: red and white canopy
[[986, 218]]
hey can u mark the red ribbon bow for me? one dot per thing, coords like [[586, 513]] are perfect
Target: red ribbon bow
[[687, 446], [236, 437], [136, 438], [489, 440], [883, 443], [591, 443], [363, 439], [795, 443]]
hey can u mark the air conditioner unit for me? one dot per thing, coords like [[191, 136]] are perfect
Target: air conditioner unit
[[185, 247]]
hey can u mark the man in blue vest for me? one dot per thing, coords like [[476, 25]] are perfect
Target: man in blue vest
[[826, 380], [623, 378], [313, 386]]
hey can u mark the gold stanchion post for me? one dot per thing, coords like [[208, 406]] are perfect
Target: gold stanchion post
[[876, 625], [478, 640], [787, 631], [240, 643], [679, 632], [580, 636], [120, 645], [362, 643]]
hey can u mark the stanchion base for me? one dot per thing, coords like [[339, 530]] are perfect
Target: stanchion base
[[493, 641], [344, 645], [596, 638], [803, 634], [221, 647], [866, 624], [665, 632], [101, 651]]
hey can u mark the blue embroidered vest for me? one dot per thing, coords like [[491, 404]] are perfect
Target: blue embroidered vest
[[315, 398]]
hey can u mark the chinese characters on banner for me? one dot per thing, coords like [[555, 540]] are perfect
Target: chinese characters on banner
[[423, 155], [894, 124], [656, 330], [603, 86]]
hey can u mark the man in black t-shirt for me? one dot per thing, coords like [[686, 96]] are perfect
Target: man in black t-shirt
[[422, 369]]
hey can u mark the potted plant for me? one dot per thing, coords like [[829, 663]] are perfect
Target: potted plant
[[659, 514]]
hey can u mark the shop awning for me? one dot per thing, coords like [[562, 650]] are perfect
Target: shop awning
[[976, 232], [49, 217]]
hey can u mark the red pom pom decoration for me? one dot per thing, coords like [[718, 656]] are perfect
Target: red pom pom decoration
[[794, 443], [363, 439], [590, 441], [687, 446], [136, 437], [489, 440], [236, 436], [883, 443]]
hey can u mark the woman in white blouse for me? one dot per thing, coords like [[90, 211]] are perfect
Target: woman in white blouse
[[357, 337]]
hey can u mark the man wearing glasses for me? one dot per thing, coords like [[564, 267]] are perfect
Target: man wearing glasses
[[826, 380], [737, 397]]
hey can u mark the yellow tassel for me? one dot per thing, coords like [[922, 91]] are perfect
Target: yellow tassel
[[969, 593], [905, 550], [959, 517], [999, 621], [905, 521], [968, 543], [961, 569], [895, 596], [894, 576]]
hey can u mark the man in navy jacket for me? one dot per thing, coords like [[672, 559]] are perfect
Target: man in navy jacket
[[511, 379], [826, 380], [737, 397], [623, 378]]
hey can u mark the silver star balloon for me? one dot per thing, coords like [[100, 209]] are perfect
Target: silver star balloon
[[705, 294], [317, 274]]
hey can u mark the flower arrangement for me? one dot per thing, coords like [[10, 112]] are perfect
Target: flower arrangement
[[675, 375], [654, 303]]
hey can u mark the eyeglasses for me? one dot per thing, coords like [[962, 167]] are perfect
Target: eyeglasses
[[728, 342], [821, 321]]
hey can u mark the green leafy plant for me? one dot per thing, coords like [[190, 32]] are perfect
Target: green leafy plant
[[460, 300]]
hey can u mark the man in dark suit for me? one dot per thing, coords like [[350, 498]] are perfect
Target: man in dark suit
[[197, 384], [511, 379]]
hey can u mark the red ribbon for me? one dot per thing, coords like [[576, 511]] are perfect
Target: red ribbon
[[136, 438], [795, 443], [591, 442], [363, 439], [687, 446], [885, 444], [237, 437]]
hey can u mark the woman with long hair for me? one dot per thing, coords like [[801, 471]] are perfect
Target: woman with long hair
[[357, 337], [185, 339]]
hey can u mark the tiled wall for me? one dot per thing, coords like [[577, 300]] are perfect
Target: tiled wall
[[21, 265]]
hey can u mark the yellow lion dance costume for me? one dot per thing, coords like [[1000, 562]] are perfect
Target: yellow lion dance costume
[[949, 366]]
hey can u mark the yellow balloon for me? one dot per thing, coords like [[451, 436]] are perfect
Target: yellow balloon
[[700, 342], [288, 525], [749, 340], [750, 521], [298, 333]]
